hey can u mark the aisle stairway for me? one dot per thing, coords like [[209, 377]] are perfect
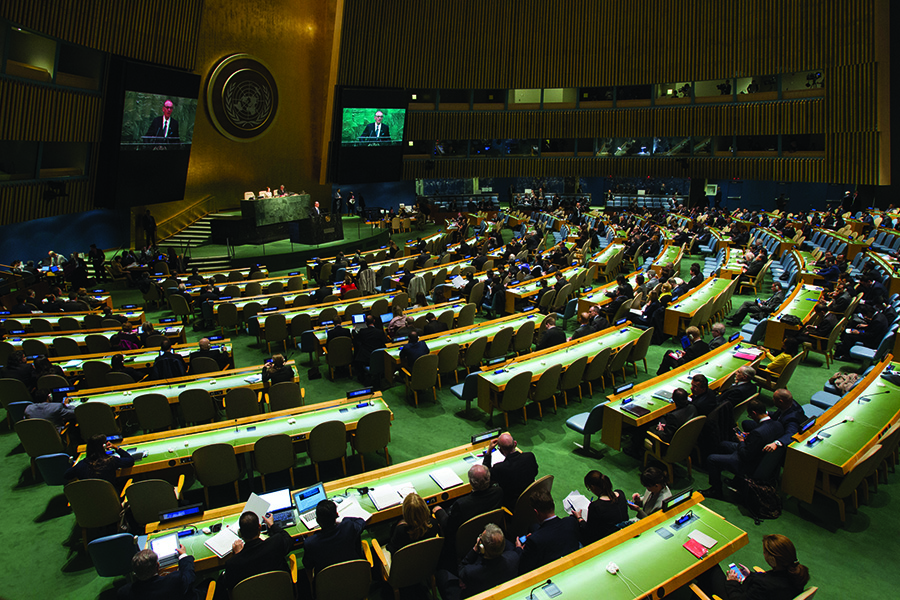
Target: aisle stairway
[[198, 233]]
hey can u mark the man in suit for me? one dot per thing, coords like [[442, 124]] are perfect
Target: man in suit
[[553, 538], [276, 371], [584, 326], [377, 131], [743, 456], [252, 555], [432, 325], [164, 126], [366, 341], [752, 270], [674, 359], [316, 210], [703, 398], [718, 333], [742, 389], [758, 309], [168, 365], [684, 411], [517, 471], [790, 414], [485, 497], [217, 355], [337, 541], [413, 349], [492, 561], [150, 583], [868, 333], [552, 336], [695, 280], [822, 329]]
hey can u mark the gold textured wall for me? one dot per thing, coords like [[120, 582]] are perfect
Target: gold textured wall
[[507, 44], [294, 39]]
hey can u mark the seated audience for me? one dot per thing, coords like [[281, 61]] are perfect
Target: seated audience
[[550, 539], [605, 513]]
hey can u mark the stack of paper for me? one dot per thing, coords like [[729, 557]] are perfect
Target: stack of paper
[[446, 478], [577, 501], [221, 542]]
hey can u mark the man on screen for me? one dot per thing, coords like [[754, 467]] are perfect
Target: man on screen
[[165, 126], [376, 131]]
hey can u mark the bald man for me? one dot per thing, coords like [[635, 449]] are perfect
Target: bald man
[[204, 350], [485, 497], [517, 471]]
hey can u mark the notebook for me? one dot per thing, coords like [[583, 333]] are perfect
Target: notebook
[[221, 543], [637, 411], [446, 478]]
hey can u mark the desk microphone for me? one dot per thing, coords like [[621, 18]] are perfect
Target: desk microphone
[[819, 435], [868, 396]]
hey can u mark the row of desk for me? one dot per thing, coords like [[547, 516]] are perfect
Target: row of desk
[[134, 316]]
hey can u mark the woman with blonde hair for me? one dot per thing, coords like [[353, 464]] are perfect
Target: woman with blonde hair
[[417, 523]]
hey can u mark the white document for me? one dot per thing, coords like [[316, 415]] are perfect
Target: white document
[[384, 496], [577, 501], [222, 541], [446, 478], [351, 508], [458, 282], [253, 379], [405, 489], [257, 505], [496, 457], [702, 539]]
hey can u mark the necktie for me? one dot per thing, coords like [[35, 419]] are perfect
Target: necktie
[[165, 128], [377, 130]]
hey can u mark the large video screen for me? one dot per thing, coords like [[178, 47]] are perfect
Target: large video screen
[[157, 121], [372, 126], [367, 135], [148, 128]]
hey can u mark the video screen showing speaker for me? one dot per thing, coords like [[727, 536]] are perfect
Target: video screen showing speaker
[[148, 129], [368, 135]]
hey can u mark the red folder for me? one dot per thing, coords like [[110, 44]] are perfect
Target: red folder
[[696, 548]]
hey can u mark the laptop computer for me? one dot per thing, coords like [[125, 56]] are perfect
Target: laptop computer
[[359, 321], [386, 318], [280, 507], [305, 502], [166, 548]]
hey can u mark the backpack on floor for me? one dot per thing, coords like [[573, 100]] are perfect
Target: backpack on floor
[[761, 499]]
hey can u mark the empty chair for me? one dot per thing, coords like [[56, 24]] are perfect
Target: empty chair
[[95, 503], [154, 341], [196, 406], [467, 390], [39, 325], [587, 424], [466, 316], [33, 347], [216, 464], [150, 497], [153, 412], [596, 369], [39, 438], [499, 345], [514, 397], [571, 378], [203, 364], [524, 338], [423, 376], [51, 382], [328, 441], [276, 330], [348, 580], [114, 378], [241, 402], [95, 418], [272, 585], [181, 308], [639, 350], [411, 564], [448, 362], [93, 372], [273, 454], [53, 467], [340, 354], [253, 288], [97, 343], [618, 360], [545, 388], [373, 433], [285, 395], [277, 302]]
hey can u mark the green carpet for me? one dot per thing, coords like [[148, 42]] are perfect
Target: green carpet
[[39, 532]]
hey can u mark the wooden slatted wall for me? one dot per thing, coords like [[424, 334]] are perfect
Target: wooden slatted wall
[[491, 44]]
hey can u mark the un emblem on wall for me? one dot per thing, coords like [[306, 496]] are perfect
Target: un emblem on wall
[[241, 97]]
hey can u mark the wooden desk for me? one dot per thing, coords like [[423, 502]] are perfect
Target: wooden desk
[[135, 317], [173, 332], [582, 574], [801, 303], [530, 288], [718, 366], [415, 472], [141, 358], [671, 254], [846, 443], [690, 303]]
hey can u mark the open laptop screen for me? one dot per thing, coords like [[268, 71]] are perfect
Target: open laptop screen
[[306, 500]]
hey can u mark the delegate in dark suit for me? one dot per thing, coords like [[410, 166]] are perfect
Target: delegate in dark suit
[[172, 586], [554, 336], [337, 544], [470, 505], [157, 129], [366, 341], [743, 457], [369, 133], [737, 393], [435, 326], [759, 309], [259, 556], [673, 420], [513, 475], [697, 349], [480, 574], [553, 539]]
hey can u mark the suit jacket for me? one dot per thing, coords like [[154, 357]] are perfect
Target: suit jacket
[[705, 403], [469, 506], [694, 351], [435, 327], [177, 586], [582, 331], [366, 341], [750, 451], [552, 337], [338, 544], [156, 129], [217, 355], [369, 132], [716, 342], [823, 329], [737, 393], [513, 475], [480, 574], [773, 302], [553, 539], [411, 352], [259, 556], [754, 268], [770, 585], [675, 419], [790, 420]]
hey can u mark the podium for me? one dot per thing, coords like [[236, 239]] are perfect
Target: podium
[[317, 229]]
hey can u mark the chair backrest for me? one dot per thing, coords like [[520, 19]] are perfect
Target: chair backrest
[[524, 337], [274, 585], [472, 528], [864, 467], [500, 344], [448, 358], [153, 411], [150, 497], [515, 394], [97, 343], [94, 502], [347, 580], [241, 402], [415, 562], [276, 328], [114, 378], [617, 362], [95, 418], [51, 382], [788, 372], [595, 419], [327, 441], [112, 554], [285, 395], [523, 514], [39, 437], [466, 315], [373, 431], [215, 464], [641, 346], [547, 383], [94, 372], [204, 364], [196, 406], [340, 351], [274, 453], [424, 372], [684, 440], [573, 375], [34, 347], [597, 367], [301, 323]]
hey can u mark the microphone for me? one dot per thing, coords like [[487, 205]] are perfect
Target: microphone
[[867, 397], [819, 433]]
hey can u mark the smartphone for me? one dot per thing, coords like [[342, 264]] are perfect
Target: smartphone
[[737, 571], [522, 539]]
